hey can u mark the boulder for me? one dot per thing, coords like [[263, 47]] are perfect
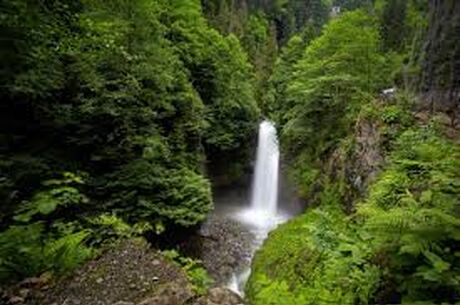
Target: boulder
[[127, 274], [171, 294], [220, 296]]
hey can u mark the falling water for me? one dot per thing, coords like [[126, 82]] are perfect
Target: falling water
[[265, 186], [262, 215]]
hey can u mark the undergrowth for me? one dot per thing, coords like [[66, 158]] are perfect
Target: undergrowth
[[196, 274], [400, 247]]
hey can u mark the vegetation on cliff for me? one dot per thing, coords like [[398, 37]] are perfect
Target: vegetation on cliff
[[381, 178], [116, 115]]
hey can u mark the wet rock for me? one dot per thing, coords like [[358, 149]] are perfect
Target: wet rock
[[30, 282], [362, 164], [16, 300], [220, 296], [225, 246], [171, 294], [24, 293], [36, 282], [388, 94]]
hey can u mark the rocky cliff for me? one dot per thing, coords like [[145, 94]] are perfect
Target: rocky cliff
[[440, 78]]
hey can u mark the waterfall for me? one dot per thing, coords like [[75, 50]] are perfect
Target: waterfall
[[262, 215], [265, 184]]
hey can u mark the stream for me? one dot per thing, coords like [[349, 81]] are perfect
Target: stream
[[257, 210]]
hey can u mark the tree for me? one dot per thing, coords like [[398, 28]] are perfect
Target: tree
[[394, 27], [134, 96], [331, 81]]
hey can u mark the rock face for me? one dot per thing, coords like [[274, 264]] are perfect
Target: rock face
[[367, 156], [226, 248], [440, 79], [220, 296], [362, 164], [129, 274]]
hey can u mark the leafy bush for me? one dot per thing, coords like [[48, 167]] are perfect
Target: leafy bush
[[18, 251], [59, 193], [109, 228], [412, 211], [40, 241], [168, 196], [27, 250], [196, 274]]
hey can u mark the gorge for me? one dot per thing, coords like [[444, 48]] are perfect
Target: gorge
[[263, 213], [221, 152]]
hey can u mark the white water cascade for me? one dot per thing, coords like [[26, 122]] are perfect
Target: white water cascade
[[262, 215], [265, 186]]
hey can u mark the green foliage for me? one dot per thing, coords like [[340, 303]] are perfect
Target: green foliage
[[305, 176], [348, 46], [401, 245], [109, 228], [319, 91], [18, 252], [220, 72], [263, 27], [393, 116], [287, 17], [324, 260], [221, 76], [403, 26], [412, 210], [42, 242], [27, 250], [172, 196], [350, 5], [323, 257], [399, 248], [60, 193], [272, 292], [394, 23], [259, 40], [137, 95], [196, 274], [66, 253], [275, 101]]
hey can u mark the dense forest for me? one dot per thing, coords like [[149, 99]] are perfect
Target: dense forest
[[120, 118]]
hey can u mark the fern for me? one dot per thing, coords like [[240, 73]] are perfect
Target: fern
[[66, 253], [20, 251], [196, 274], [28, 251], [107, 228], [38, 246], [412, 210]]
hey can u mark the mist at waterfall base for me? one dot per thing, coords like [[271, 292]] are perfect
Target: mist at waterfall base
[[263, 213]]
